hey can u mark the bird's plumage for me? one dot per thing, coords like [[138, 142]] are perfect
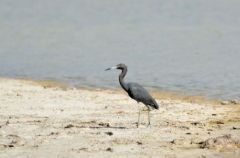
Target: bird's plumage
[[140, 94]]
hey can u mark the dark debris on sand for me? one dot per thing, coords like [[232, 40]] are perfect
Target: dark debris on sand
[[221, 142]]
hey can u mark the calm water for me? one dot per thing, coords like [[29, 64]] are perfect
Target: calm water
[[188, 46]]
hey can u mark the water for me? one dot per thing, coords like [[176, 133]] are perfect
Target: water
[[187, 46]]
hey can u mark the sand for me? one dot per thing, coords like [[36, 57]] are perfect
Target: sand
[[44, 120]]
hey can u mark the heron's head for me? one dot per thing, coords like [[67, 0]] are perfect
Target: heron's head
[[118, 66]]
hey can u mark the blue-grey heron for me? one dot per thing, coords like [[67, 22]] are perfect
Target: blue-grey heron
[[136, 91]]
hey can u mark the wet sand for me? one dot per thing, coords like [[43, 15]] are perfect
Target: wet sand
[[41, 120]]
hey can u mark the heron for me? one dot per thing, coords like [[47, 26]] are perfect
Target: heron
[[136, 92]]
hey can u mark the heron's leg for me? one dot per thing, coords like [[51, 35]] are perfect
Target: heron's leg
[[139, 112], [149, 123]]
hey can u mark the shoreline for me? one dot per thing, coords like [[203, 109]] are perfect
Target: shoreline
[[41, 118], [158, 94]]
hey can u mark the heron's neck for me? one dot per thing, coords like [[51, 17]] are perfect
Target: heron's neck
[[121, 79]]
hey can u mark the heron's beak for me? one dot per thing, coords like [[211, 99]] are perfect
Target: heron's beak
[[111, 68]]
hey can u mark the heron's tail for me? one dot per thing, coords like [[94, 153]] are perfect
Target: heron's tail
[[155, 104]]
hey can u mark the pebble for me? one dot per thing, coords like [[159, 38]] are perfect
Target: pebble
[[184, 127], [234, 101], [236, 128], [196, 123], [225, 102], [104, 124], [139, 143], [109, 133], [109, 149], [69, 126]]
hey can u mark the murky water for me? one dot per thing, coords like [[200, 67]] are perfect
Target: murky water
[[188, 46]]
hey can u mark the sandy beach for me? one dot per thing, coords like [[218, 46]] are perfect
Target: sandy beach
[[39, 120]]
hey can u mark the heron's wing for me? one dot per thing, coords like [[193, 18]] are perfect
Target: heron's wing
[[140, 94]]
